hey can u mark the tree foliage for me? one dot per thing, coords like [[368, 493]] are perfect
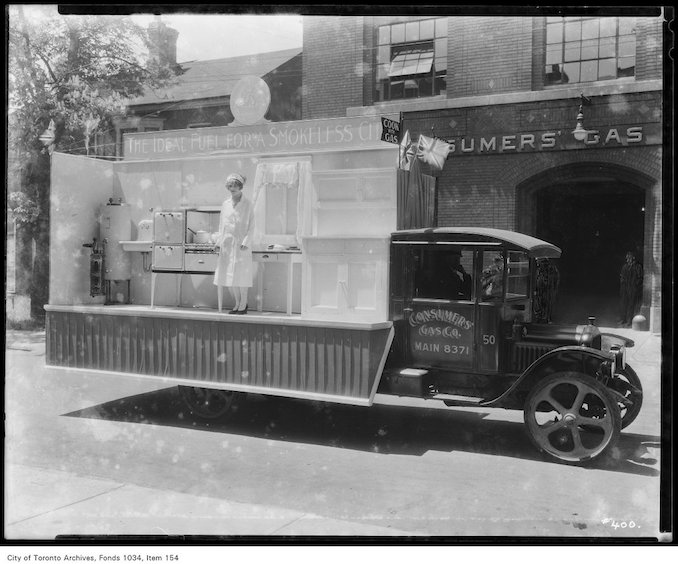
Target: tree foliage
[[73, 72]]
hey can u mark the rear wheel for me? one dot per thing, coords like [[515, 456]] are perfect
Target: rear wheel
[[208, 403], [572, 417]]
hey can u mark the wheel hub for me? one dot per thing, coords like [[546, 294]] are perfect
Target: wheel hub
[[569, 419]]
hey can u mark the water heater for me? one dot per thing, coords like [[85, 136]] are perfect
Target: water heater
[[116, 226]]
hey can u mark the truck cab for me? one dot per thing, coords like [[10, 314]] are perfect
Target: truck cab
[[459, 296], [461, 303]]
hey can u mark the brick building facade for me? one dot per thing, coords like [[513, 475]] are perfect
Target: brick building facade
[[508, 106]]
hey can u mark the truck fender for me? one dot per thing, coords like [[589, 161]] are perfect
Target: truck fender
[[572, 358]]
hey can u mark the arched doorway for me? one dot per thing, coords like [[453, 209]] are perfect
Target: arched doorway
[[594, 214]]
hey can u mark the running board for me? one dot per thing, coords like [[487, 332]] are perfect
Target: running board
[[467, 400]]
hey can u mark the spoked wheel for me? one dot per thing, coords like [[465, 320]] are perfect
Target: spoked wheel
[[206, 402], [628, 385], [572, 417]]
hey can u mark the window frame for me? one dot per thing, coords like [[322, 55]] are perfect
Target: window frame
[[570, 50], [431, 35]]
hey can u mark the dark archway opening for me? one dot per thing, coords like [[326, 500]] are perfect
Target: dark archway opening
[[594, 223]]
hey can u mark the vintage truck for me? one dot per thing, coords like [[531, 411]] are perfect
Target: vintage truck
[[478, 346]]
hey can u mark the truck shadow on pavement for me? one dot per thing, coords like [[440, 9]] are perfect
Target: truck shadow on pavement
[[383, 429]]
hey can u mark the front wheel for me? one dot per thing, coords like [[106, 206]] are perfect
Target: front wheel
[[627, 383], [572, 417], [208, 403]]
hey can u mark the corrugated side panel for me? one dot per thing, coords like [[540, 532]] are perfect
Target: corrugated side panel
[[332, 361]]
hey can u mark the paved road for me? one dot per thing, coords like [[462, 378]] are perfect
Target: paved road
[[106, 454]]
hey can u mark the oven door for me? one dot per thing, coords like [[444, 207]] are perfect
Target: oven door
[[168, 227], [168, 257], [200, 262]]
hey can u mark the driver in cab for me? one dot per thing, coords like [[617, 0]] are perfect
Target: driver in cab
[[459, 282]]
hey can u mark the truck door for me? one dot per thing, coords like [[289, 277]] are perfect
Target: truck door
[[440, 316], [491, 293]]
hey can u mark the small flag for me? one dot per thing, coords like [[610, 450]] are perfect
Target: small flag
[[405, 152], [433, 151]]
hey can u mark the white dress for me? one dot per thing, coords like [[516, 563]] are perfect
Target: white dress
[[236, 225]]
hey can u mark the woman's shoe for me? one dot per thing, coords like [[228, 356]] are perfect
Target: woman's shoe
[[233, 312], [241, 311]]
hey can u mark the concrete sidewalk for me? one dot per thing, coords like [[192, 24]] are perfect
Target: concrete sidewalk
[[54, 503]]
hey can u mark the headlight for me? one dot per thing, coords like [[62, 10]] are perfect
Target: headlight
[[618, 353]]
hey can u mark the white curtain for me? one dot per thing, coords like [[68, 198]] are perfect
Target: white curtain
[[287, 175]]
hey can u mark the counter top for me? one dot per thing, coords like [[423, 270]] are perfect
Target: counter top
[[252, 317]]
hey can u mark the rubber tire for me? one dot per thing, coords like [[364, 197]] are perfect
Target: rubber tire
[[534, 398], [630, 415]]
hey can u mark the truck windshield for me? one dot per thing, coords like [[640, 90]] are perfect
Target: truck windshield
[[492, 276], [518, 275]]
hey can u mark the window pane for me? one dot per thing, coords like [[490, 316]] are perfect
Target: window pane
[[571, 72], [396, 90], [424, 65], [412, 31], [398, 33], [589, 49], [572, 51], [589, 71], [572, 31], [554, 33], [413, 63], [554, 74], [426, 29], [608, 27], [554, 54], [441, 48], [492, 276], [440, 64], [382, 71], [627, 26], [607, 47], [292, 193], [608, 69], [440, 84], [626, 66], [275, 206], [518, 271], [384, 35], [397, 66], [589, 29], [441, 27], [553, 19], [627, 46], [380, 94]]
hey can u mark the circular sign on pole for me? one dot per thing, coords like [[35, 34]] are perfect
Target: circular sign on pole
[[250, 99]]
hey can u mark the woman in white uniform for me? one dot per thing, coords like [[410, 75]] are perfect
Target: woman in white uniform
[[236, 225]]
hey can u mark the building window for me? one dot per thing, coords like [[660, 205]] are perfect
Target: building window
[[589, 49], [411, 59]]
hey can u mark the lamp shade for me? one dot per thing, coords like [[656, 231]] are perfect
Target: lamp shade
[[579, 132]]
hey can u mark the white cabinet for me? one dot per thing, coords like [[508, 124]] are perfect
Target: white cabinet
[[365, 199], [345, 278]]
